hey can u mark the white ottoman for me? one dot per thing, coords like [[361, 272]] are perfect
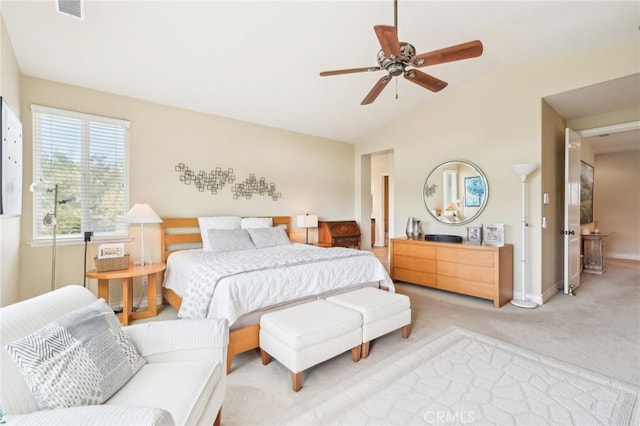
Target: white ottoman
[[382, 312], [305, 335]]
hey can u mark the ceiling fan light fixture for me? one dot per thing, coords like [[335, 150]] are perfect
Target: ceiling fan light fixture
[[396, 56]]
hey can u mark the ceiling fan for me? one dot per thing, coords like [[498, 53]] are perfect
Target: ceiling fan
[[397, 57]]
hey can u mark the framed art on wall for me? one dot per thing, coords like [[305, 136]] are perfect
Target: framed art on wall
[[586, 193], [493, 234]]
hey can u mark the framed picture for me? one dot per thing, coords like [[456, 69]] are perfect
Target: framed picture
[[106, 251], [586, 193], [493, 234], [473, 191], [474, 235]]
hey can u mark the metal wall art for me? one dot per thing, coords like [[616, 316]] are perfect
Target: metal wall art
[[217, 179]]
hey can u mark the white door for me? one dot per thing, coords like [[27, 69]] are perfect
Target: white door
[[571, 229]]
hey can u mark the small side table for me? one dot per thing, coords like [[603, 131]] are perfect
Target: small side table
[[127, 275]]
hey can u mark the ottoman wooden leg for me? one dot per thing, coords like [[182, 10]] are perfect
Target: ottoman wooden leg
[[365, 349], [266, 358], [406, 330], [296, 380], [356, 353]]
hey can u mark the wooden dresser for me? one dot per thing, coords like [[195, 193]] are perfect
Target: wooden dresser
[[343, 233], [480, 271]]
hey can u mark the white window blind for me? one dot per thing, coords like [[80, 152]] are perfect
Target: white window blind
[[86, 156]]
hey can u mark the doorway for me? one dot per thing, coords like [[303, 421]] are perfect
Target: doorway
[[382, 196]]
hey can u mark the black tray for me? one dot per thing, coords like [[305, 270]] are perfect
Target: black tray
[[443, 238]]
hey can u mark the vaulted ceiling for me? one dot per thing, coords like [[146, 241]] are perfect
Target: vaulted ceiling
[[259, 61]]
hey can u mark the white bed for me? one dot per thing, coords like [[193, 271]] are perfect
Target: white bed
[[240, 285]]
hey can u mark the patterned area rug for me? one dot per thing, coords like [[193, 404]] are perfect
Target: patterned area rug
[[461, 377]]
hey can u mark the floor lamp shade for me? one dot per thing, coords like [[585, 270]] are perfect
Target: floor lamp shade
[[523, 170], [141, 213], [307, 221]]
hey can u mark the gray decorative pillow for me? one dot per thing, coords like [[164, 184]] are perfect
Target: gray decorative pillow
[[269, 237], [229, 240], [81, 359]]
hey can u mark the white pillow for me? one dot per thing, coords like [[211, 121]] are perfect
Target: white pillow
[[229, 240], [82, 358], [269, 237], [216, 222], [256, 222]]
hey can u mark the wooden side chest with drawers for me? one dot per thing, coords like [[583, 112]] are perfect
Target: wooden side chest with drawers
[[480, 271], [343, 233]]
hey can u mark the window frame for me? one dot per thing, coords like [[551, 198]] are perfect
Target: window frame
[[118, 235]]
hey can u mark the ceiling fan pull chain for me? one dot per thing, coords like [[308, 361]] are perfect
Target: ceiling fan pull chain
[[396, 88]]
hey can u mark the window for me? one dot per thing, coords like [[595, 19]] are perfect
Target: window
[[86, 158]]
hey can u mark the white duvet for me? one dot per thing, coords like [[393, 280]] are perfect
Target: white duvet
[[231, 284]]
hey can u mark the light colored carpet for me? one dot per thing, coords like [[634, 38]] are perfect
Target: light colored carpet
[[598, 330], [462, 377]]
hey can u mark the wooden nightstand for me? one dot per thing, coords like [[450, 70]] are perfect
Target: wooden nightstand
[[127, 275]]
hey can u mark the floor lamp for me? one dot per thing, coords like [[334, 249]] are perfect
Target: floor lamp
[[523, 170], [142, 213], [51, 219]]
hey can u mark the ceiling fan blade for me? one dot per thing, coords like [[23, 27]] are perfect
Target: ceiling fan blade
[[425, 80], [467, 50], [388, 39], [349, 71], [375, 91]]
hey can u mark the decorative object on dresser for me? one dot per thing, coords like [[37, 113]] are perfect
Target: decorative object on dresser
[[413, 228], [307, 221], [474, 235], [141, 213], [593, 249], [480, 271], [493, 234], [523, 170], [342, 233]]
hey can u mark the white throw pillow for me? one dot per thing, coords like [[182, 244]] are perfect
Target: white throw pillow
[[82, 358], [256, 222], [216, 222], [269, 237], [230, 240]]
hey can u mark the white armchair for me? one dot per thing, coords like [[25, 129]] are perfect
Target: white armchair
[[182, 383]]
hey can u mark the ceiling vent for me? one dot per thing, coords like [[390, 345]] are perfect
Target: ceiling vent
[[71, 7]]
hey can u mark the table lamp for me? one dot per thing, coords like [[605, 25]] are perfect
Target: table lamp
[[141, 213]]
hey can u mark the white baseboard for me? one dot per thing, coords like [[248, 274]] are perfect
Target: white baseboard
[[622, 256]]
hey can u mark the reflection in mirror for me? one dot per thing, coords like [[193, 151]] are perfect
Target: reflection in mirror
[[455, 192]]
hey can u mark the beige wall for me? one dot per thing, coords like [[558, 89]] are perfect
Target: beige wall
[[494, 121], [314, 175], [617, 202], [9, 225]]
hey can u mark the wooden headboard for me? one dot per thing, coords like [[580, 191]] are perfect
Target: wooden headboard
[[179, 233]]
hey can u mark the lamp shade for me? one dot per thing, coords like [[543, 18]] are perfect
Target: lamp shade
[[452, 206], [524, 169], [307, 221], [141, 213]]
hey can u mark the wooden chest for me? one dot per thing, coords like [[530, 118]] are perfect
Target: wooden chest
[[343, 233]]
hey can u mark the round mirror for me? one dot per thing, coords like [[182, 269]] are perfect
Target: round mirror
[[455, 192]]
